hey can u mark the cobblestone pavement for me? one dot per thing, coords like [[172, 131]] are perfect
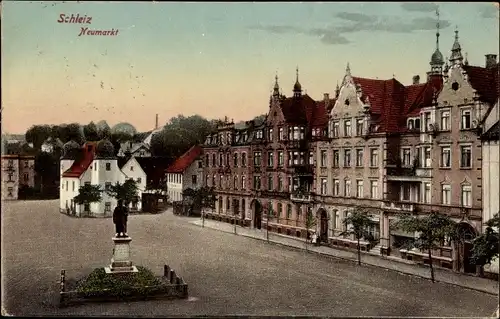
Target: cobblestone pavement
[[227, 274], [368, 258]]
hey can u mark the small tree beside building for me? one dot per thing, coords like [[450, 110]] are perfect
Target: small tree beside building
[[87, 194], [485, 248], [356, 224], [431, 231], [310, 223]]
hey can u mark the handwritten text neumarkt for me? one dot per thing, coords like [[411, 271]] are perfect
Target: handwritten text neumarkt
[[84, 19]]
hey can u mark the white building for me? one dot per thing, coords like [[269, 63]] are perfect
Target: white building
[[94, 164], [186, 172], [491, 171], [133, 170], [50, 144]]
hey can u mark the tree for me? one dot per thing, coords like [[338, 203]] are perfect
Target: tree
[[117, 138], [37, 134], [356, 223], [127, 192], [88, 194], [47, 171], [485, 247], [432, 230], [74, 132], [310, 223], [91, 132]]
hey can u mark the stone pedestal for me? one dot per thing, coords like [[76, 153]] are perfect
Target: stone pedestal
[[120, 263]]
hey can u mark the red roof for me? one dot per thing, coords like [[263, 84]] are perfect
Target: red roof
[[298, 110], [183, 162], [82, 164], [320, 114], [485, 81]]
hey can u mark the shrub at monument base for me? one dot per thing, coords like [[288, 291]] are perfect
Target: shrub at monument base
[[98, 282]]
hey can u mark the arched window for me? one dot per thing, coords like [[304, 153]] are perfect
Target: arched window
[[410, 124]]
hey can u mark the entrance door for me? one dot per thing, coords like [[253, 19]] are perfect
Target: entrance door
[[324, 227], [257, 215]]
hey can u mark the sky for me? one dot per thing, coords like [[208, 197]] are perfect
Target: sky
[[213, 59]]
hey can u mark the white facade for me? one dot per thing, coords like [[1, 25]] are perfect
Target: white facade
[[174, 186], [192, 177], [133, 170]]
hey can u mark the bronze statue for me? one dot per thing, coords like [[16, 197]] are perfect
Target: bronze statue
[[120, 215]]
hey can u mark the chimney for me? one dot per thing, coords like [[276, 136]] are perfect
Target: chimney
[[156, 122], [326, 98], [416, 79], [491, 60]]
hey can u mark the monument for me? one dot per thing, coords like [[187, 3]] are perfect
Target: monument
[[120, 262]]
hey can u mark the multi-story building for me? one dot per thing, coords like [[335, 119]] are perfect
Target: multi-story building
[[18, 171], [379, 146]]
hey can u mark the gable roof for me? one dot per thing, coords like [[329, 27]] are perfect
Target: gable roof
[[298, 110], [122, 160], [183, 162], [485, 81], [493, 134], [82, 164]]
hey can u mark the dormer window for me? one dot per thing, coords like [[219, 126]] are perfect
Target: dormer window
[[411, 124], [417, 124], [270, 134], [258, 134]]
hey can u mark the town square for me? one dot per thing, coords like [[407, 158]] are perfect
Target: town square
[[250, 159]]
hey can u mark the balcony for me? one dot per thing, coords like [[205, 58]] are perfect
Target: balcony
[[398, 206], [408, 174], [302, 169], [224, 170], [301, 197], [275, 194], [297, 144]]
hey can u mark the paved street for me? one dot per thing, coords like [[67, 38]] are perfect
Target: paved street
[[226, 274]]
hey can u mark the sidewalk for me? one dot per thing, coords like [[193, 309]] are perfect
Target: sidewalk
[[392, 263]]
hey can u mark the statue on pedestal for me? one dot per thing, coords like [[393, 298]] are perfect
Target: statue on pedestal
[[120, 215]]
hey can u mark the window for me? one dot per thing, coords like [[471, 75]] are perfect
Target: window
[[446, 194], [465, 119], [221, 159], [131, 168], [427, 193], [73, 186], [87, 183], [336, 187], [220, 181], [281, 134], [26, 164], [213, 160], [359, 127], [256, 182], [270, 159], [228, 159], [410, 124], [243, 182], [207, 160], [270, 183], [467, 195], [445, 121], [336, 219], [86, 207], [244, 159], [347, 128], [258, 134], [446, 156], [235, 159], [280, 210], [336, 158], [336, 126], [194, 179], [107, 206], [427, 157], [323, 186], [257, 159], [288, 211], [374, 189], [359, 158], [465, 157], [373, 157], [66, 184], [108, 166], [280, 183], [311, 158], [270, 134], [406, 192], [200, 164], [347, 188], [281, 159], [26, 177], [235, 182], [290, 184], [454, 86], [323, 158], [139, 180], [228, 204], [10, 191], [359, 188], [427, 121], [347, 158], [406, 157]]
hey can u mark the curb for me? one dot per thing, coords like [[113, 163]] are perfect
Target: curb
[[352, 260]]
